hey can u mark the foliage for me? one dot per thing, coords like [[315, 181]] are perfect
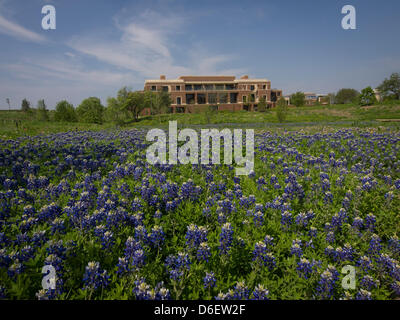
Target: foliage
[[65, 112], [262, 105], [42, 112], [298, 99], [90, 111], [115, 227], [25, 105], [367, 97], [281, 110], [390, 87], [346, 95]]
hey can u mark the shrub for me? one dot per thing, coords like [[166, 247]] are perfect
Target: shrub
[[281, 110], [65, 112], [42, 112], [262, 105], [346, 96], [367, 97], [298, 99], [25, 105], [91, 111]]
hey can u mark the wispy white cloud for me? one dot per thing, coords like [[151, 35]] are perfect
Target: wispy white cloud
[[15, 30], [147, 46]]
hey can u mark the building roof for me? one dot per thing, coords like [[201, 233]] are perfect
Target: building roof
[[205, 79]]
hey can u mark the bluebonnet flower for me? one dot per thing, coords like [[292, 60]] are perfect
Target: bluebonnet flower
[[203, 252], [15, 269], [177, 265], [138, 258], [304, 268], [326, 283], [394, 245], [262, 256], [260, 293], [123, 266], [330, 237], [296, 248], [141, 234], [363, 295], [241, 291], [396, 287], [94, 277], [358, 224], [269, 241], [375, 245], [131, 245], [195, 235], [365, 263], [141, 290], [367, 282], [258, 218], [157, 214], [328, 197], [226, 238], [58, 225], [286, 219], [370, 221], [313, 232], [157, 236], [209, 280]]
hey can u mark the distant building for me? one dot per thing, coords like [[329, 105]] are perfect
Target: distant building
[[193, 93], [377, 95], [311, 98]]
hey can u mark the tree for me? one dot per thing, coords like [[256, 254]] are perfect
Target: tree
[[115, 111], [25, 105], [91, 111], [390, 87], [134, 103], [346, 95], [262, 105], [43, 114], [8, 102], [298, 99], [367, 97], [281, 109], [65, 112]]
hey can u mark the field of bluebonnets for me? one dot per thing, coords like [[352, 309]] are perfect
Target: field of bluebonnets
[[115, 227]]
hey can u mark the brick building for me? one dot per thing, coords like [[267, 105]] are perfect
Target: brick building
[[191, 94]]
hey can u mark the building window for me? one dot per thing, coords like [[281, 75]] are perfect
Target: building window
[[178, 88], [244, 98], [230, 87], [219, 87], [197, 87], [165, 88], [190, 98], [209, 87], [178, 100], [233, 97], [252, 87], [180, 109], [188, 87], [223, 98], [201, 98], [264, 86], [153, 88], [212, 98]]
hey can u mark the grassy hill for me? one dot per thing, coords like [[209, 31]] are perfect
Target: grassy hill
[[17, 123]]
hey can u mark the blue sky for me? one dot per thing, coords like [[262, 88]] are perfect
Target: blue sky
[[100, 46]]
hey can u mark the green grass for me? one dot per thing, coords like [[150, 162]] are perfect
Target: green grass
[[303, 117]]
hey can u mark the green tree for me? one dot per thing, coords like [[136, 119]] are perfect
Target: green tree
[[262, 105], [367, 97], [298, 99], [65, 112], [281, 109], [346, 95], [91, 111], [42, 112], [390, 88], [25, 105], [134, 103], [115, 111]]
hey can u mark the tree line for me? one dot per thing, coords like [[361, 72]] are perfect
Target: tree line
[[389, 90], [125, 107]]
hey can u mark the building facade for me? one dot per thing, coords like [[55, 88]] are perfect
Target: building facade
[[190, 94]]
